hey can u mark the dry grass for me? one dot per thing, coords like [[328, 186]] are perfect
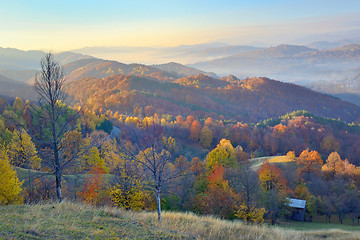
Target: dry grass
[[280, 159], [209, 227], [78, 221], [213, 228]]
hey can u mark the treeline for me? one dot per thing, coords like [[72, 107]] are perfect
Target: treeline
[[295, 131]]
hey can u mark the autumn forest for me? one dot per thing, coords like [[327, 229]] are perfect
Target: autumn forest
[[170, 137]]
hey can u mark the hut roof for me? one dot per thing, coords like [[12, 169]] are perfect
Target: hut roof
[[296, 203]]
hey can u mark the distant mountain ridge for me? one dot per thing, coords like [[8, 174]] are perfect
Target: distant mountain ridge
[[289, 63], [184, 54], [15, 59], [322, 45], [18, 75], [22, 66], [181, 70]]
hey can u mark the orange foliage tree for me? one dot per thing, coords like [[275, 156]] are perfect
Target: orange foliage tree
[[219, 198], [309, 161], [195, 130], [271, 177], [335, 166], [92, 186]]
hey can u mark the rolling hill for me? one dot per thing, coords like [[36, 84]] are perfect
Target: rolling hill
[[9, 86], [100, 68], [249, 100], [103, 68]]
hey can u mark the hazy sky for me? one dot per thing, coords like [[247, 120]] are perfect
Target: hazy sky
[[71, 24]]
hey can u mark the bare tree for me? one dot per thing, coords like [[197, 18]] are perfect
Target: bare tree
[[49, 84], [154, 152]]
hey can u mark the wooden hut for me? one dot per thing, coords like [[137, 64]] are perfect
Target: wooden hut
[[298, 209]]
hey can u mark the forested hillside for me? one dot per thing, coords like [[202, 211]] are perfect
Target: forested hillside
[[249, 100], [100, 68]]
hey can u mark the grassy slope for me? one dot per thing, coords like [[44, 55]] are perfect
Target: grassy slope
[[78, 221], [257, 162], [319, 226], [280, 159]]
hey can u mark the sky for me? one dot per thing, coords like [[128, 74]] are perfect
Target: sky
[[67, 24]]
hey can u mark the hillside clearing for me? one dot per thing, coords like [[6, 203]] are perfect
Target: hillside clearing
[[257, 162], [280, 159]]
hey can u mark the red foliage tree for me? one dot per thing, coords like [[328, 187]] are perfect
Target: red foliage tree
[[92, 186], [219, 199]]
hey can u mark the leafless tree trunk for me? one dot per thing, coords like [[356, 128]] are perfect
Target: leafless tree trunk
[[152, 151], [49, 84]]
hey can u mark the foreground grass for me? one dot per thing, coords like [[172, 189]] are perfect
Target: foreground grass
[[77, 221]]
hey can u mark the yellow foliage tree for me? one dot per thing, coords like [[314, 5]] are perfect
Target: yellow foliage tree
[[92, 158], [169, 143], [252, 214], [224, 154], [74, 147], [129, 199], [333, 166], [22, 151], [10, 187], [109, 154], [18, 105], [129, 191], [291, 155]]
